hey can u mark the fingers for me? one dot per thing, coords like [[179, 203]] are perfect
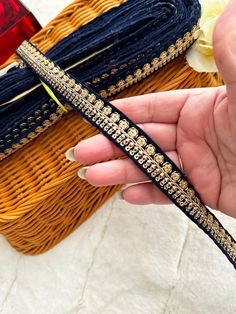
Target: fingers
[[99, 148], [144, 194], [119, 172], [225, 51], [164, 107]]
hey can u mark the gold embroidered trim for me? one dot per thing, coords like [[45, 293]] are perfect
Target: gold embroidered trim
[[157, 63], [129, 137], [54, 117]]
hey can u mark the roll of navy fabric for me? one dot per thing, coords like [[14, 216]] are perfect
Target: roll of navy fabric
[[124, 38]]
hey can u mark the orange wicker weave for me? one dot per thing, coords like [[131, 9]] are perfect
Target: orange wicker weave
[[42, 199]]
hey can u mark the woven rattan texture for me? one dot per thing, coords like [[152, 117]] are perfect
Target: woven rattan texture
[[42, 199]]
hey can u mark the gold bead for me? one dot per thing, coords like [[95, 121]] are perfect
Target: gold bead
[[92, 98], [124, 124], [9, 151], [99, 104], [31, 135], [17, 145], [39, 129], [175, 176], [51, 65], [107, 110], [121, 84], [129, 79], [123, 66], [115, 117], [66, 78], [146, 67], [47, 123], [53, 117], [171, 49], [133, 132], [167, 167], [159, 158], [190, 193], [138, 73], [24, 141], [77, 87], [179, 43], [55, 70], [163, 56], [112, 89], [105, 75], [183, 184], [60, 74], [72, 83], [114, 71], [150, 150], [84, 93], [103, 93], [187, 36], [141, 141]]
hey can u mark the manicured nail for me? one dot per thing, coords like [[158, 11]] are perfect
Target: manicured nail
[[82, 173], [70, 154]]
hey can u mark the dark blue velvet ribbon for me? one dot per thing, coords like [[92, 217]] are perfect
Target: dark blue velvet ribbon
[[137, 30]]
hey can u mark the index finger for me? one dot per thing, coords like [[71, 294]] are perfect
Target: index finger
[[163, 107]]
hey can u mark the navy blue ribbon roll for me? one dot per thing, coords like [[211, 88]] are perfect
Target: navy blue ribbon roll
[[110, 53]]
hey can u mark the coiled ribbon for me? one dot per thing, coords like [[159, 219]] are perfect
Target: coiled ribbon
[[103, 53]]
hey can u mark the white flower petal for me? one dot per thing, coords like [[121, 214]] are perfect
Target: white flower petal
[[200, 56], [200, 62]]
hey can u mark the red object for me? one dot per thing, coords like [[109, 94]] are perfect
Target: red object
[[17, 23]]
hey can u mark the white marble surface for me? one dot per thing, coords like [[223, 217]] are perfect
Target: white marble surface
[[124, 260]]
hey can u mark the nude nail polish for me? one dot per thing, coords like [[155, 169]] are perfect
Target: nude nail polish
[[70, 154], [82, 173]]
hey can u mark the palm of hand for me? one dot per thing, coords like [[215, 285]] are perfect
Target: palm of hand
[[206, 144]]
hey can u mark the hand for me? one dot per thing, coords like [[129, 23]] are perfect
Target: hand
[[199, 125]]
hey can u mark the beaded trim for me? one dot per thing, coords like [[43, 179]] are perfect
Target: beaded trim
[[133, 141], [181, 45]]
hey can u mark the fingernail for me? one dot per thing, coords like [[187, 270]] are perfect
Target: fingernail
[[69, 154], [82, 173]]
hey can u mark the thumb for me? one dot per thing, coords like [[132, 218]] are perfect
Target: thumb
[[224, 42]]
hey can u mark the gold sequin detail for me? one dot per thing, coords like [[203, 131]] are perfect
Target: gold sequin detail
[[115, 117], [133, 132], [92, 98], [159, 158], [123, 124], [84, 93], [167, 167], [150, 150], [72, 83], [183, 184], [99, 104], [107, 110], [175, 176], [190, 193], [141, 141]]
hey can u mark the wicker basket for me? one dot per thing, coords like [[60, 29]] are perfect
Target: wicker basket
[[42, 198]]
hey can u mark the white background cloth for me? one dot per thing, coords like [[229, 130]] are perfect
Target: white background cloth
[[124, 260]]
